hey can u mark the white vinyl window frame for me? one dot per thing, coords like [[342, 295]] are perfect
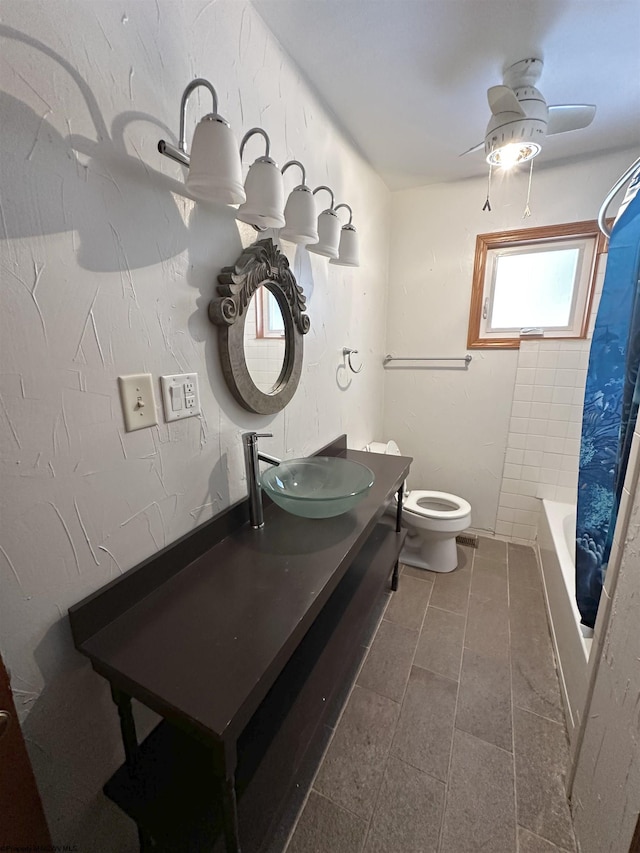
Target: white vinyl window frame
[[585, 237]]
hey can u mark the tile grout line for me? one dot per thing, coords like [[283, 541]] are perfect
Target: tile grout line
[[455, 709], [542, 717], [404, 693], [330, 741], [513, 705]]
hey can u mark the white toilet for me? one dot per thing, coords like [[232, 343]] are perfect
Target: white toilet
[[433, 519]]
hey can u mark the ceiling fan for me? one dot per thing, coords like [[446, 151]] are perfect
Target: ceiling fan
[[520, 118]]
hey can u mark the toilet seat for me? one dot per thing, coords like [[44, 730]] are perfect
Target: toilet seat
[[440, 505]]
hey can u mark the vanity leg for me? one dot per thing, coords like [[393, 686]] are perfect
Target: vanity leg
[[131, 752], [145, 841], [396, 568], [127, 728], [399, 509], [230, 815]]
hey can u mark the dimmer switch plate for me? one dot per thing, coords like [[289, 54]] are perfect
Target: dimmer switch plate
[[138, 401], [180, 396]]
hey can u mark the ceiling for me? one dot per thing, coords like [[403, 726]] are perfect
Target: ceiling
[[407, 79]]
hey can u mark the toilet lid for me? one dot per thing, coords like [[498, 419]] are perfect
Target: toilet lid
[[435, 504]]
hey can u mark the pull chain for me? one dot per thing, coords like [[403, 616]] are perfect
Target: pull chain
[[487, 204], [527, 209]]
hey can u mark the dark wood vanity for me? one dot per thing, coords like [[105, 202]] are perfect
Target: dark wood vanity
[[246, 642]]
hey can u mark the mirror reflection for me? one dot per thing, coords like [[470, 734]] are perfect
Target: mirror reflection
[[264, 340]]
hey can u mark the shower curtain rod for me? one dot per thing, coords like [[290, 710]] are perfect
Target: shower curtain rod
[[612, 192]]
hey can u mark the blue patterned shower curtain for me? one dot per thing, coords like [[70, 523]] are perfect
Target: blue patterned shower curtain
[[610, 408]]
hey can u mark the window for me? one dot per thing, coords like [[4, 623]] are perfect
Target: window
[[269, 319], [537, 283]]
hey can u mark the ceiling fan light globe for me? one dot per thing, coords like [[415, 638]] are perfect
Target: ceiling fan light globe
[[513, 154]]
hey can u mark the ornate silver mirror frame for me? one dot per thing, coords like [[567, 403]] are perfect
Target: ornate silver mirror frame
[[259, 264]]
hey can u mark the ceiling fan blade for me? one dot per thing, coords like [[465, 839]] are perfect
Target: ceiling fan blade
[[471, 150], [502, 99], [563, 117]]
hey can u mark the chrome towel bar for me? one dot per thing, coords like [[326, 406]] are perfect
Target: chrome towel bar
[[466, 358]]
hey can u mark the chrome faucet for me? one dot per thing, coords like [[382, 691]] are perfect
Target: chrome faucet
[[252, 457]]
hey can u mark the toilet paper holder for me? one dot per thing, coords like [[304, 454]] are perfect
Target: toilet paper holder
[[348, 353]]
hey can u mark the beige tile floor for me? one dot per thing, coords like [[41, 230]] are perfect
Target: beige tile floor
[[453, 738]]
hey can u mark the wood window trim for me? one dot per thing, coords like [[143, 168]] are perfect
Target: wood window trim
[[522, 237]]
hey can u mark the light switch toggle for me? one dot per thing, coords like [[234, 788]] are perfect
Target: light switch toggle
[[138, 401]]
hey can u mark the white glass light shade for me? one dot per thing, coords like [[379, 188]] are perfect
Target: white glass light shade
[[300, 217], [348, 253], [215, 173], [328, 235], [513, 154], [264, 188]]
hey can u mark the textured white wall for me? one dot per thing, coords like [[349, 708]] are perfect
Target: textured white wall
[[455, 422], [107, 269]]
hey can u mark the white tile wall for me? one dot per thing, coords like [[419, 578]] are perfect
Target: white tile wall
[[543, 446]]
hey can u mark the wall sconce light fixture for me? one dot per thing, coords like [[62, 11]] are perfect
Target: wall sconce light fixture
[[264, 189], [215, 173], [299, 212], [348, 253], [328, 230]]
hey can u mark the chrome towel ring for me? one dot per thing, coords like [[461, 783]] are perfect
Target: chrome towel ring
[[348, 353]]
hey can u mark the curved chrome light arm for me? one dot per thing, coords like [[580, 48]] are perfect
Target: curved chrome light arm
[[251, 133], [295, 163], [612, 192], [337, 207], [199, 81], [179, 154], [329, 190]]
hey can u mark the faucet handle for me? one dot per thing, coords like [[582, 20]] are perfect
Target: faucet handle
[[264, 435]]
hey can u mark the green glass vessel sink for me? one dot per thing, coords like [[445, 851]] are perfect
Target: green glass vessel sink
[[318, 486]]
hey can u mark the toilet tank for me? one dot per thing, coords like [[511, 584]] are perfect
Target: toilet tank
[[390, 448]]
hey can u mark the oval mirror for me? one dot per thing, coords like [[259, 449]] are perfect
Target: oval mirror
[[260, 314], [264, 340]]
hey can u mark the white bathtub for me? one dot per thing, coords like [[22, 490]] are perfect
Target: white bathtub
[[556, 543]]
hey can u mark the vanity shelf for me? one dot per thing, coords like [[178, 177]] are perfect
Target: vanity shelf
[[247, 643]]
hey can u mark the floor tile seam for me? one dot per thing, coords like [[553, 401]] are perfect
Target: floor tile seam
[[536, 587], [444, 610], [389, 753], [398, 625], [455, 710], [416, 578], [459, 728], [542, 838], [513, 715], [341, 806], [550, 840], [482, 740], [433, 672], [395, 726], [419, 769], [334, 730], [502, 604], [506, 657], [561, 725]]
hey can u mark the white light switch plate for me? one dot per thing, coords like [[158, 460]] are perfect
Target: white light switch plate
[[180, 395], [138, 401]]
